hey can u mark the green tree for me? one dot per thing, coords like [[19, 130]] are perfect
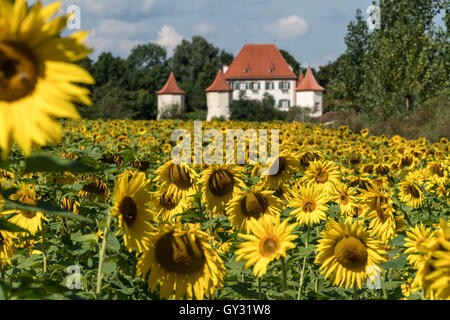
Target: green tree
[[291, 61]]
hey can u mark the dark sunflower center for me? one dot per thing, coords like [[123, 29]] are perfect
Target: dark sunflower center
[[128, 209], [309, 206], [279, 166], [19, 71], [179, 255], [179, 176], [321, 176], [382, 170], [413, 191], [254, 204], [221, 182], [2, 240], [351, 253], [25, 199], [344, 198], [167, 202], [437, 170], [269, 246], [406, 161]]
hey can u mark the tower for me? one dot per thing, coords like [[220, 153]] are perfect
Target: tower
[[309, 94], [218, 98], [170, 98]]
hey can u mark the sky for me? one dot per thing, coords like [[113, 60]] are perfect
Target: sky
[[311, 31]]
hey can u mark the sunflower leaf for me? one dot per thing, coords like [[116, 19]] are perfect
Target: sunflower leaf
[[46, 208], [8, 226], [47, 163]]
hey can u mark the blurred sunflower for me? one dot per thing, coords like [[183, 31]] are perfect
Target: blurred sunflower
[[179, 179], [94, 188], [322, 174], [268, 240], [131, 201], [70, 204], [6, 247], [165, 206], [219, 184], [309, 203], [279, 171], [346, 252], [410, 191], [182, 262], [345, 197], [255, 203], [37, 75], [416, 237], [28, 220]]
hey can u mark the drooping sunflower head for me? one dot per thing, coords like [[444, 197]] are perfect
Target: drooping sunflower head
[[411, 192], [309, 203], [252, 204], [322, 174], [6, 247], [131, 207], [279, 171], [37, 75], [268, 240], [306, 157], [219, 184], [346, 251], [167, 207], [94, 188], [179, 179], [182, 262]]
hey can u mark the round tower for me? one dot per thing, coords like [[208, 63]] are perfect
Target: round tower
[[218, 98], [170, 99], [309, 94]]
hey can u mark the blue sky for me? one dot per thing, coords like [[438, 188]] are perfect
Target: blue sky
[[312, 31]]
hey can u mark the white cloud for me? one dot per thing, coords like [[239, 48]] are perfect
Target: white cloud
[[169, 38], [289, 27], [203, 28], [329, 57]]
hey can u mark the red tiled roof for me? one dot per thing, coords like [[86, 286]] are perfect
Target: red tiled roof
[[300, 79], [171, 86], [309, 83], [219, 84], [259, 61]]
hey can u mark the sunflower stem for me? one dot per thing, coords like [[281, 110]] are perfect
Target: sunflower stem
[[211, 232], [258, 283], [302, 274], [355, 292], [44, 251], [102, 256], [385, 293], [284, 274]]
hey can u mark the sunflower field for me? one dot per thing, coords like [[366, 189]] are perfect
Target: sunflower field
[[100, 210]]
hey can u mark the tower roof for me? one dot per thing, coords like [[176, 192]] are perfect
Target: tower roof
[[219, 84], [300, 79], [309, 83], [259, 61], [171, 86]]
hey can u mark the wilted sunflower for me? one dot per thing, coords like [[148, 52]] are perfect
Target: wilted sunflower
[[345, 197], [94, 188], [37, 75], [310, 205], [6, 247], [252, 204], [219, 184], [268, 240], [346, 252], [165, 206], [28, 220], [178, 179], [70, 204], [279, 171], [131, 201], [182, 262], [416, 237], [322, 174]]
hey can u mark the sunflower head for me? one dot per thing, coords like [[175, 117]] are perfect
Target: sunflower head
[[309, 203]]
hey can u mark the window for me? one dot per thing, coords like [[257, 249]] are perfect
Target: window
[[254, 85], [270, 85], [284, 85], [237, 85], [271, 70], [316, 107], [247, 70], [284, 103]]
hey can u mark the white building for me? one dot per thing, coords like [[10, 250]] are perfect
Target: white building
[[309, 94], [218, 98], [170, 98]]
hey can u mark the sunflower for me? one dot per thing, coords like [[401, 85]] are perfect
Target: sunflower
[[346, 252], [322, 174], [94, 188], [416, 237], [306, 157], [268, 240], [410, 191], [179, 179], [165, 206], [37, 75], [252, 204], [6, 247], [131, 201], [181, 260], [345, 197], [279, 171], [28, 220], [219, 184], [310, 205], [70, 204]]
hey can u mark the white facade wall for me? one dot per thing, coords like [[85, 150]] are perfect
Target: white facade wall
[[166, 101], [312, 100], [218, 105], [257, 94]]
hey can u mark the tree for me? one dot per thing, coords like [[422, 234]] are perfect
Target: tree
[[295, 65], [109, 68], [254, 110]]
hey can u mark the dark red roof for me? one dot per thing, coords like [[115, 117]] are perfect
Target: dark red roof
[[219, 84], [309, 83], [300, 79], [259, 61], [171, 86]]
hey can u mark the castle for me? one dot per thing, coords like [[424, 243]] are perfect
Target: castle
[[256, 70]]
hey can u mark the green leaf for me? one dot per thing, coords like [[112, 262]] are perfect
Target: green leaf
[[390, 285], [46, 208], [8, 226], [112, 243], [305, 252], [398, 263], [91, 237], [47, 163]]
